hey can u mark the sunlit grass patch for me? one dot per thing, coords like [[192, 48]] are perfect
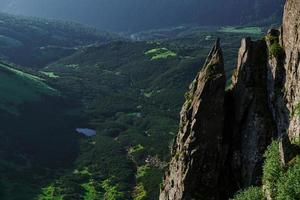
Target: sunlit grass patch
[[48, 193], [139, 192], [136, 148], [142, 170], [84, 171], [160, 53], [50, 74], [247, 30], [112, 191], [91, 192]]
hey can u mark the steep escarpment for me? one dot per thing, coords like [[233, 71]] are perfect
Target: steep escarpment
[[291, 43], [195, 167], [234, 129], [262, 105]]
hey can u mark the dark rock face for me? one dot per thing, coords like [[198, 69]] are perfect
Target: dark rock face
[[194, 170], [253, 126]]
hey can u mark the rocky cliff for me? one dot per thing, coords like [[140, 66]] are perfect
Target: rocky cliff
[[223, 135], [290, 39], [197, 151]]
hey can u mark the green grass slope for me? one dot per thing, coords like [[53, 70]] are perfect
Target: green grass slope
[[17, 87]]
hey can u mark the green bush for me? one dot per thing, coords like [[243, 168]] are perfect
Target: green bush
[[288, 186], [139, 193], [272, 169], [276, 50], [251, 193], [297, 110]]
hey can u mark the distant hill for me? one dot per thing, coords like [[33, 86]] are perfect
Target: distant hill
[[36, 42], [136, 15]]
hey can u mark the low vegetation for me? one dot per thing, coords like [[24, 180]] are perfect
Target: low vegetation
[[276, 50], [280, 183], [251, 193], [272, 169]]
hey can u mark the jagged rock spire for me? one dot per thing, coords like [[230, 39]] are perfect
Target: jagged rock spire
[[194, 170]]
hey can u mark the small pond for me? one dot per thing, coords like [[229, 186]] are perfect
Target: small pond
[[86, 131]]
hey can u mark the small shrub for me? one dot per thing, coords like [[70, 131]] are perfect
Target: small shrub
[[139, 192], [297, 110], [112, 191], [272, 39], [272, 169], [276, 50], [251, 193]]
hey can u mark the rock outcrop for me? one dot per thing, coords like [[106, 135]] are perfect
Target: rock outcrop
[[253, 125], [291, 44], [223, 135], [195, 168]]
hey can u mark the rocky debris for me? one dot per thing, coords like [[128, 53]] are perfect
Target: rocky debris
[[155, 161], [194, 170]]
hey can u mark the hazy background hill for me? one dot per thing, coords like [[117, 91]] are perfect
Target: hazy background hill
[[136, 15]]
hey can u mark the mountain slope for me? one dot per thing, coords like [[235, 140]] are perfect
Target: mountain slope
[[33, 117], [34, 42], [18, 87]]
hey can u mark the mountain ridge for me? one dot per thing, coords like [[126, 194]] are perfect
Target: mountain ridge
[[135, 15]]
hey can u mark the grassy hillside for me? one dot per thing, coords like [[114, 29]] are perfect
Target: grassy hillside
[[18, 87], [36, 134]]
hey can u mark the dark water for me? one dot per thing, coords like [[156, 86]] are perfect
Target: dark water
[[86, 131]]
